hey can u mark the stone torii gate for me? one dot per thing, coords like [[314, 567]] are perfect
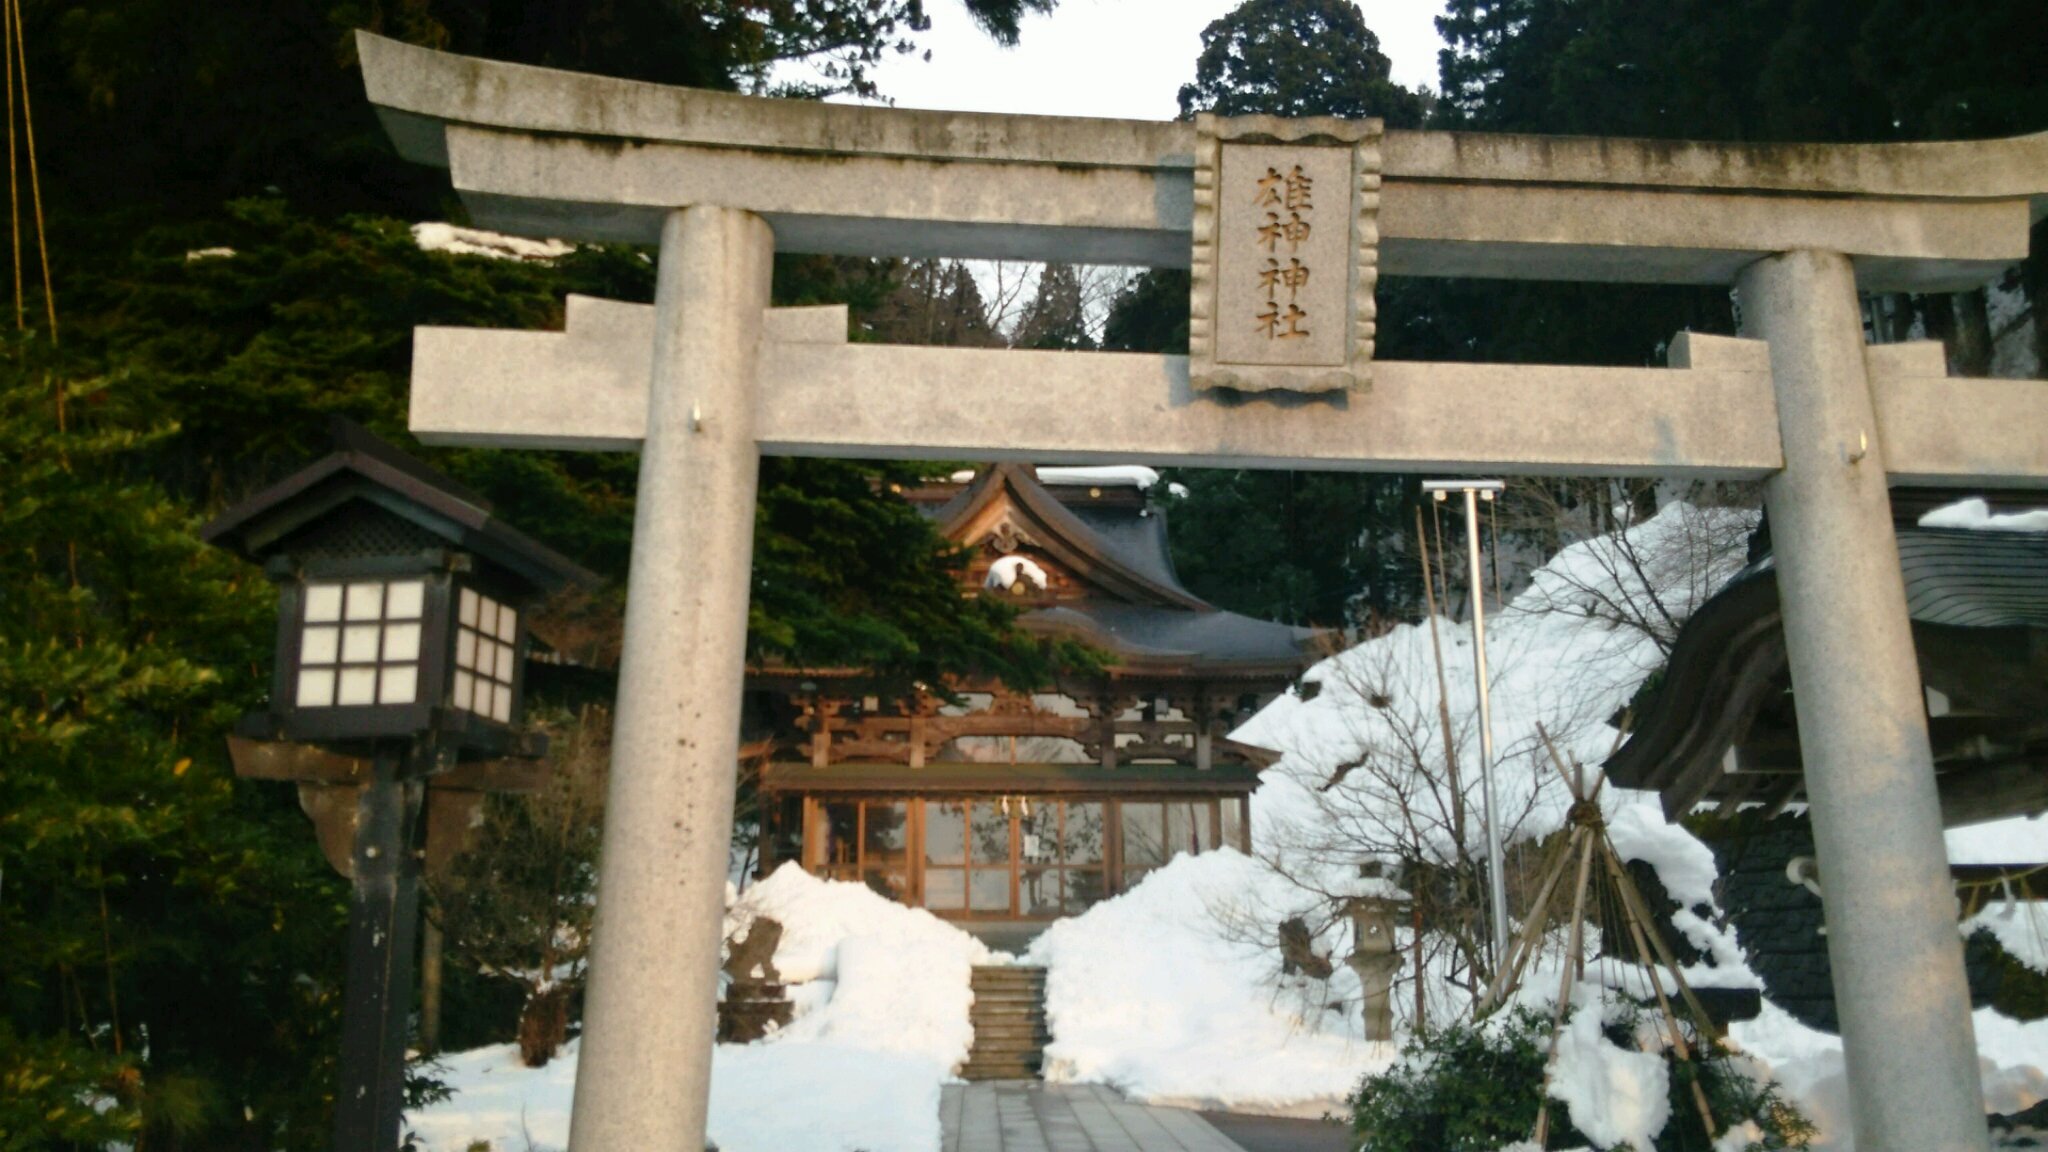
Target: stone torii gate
[[1286, 225]]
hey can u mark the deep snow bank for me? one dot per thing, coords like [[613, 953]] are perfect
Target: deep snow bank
[[1167, 993], [882, 995]]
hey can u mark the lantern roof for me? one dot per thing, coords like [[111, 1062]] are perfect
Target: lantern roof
[[367, 480]]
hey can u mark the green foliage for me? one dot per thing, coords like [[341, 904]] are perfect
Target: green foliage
[[1800, 70], [1477, 1087], [170, 933], [1297, 58]]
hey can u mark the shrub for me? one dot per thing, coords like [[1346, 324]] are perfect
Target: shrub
[[1476, 1088]]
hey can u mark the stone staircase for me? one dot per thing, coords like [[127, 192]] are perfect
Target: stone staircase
[[1010, 1032]]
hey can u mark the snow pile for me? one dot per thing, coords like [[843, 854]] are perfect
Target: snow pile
[[881, 992], [1006, 571], [438, 237], [1172, 992], [894, 978], [1102, 476], [1977, 514], [1568, 653], [1617, 1097]]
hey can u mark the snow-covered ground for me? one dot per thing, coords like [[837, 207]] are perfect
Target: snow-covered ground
[[1173, 991], [881, 995]]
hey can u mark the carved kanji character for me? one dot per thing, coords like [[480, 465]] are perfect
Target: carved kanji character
[[1294, 230], [1278, 325]]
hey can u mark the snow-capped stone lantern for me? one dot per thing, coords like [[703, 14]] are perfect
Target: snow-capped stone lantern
[[1374, 904], [397, 695]]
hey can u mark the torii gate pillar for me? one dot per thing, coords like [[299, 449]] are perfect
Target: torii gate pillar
[[650, 1011], [1907, 1036]]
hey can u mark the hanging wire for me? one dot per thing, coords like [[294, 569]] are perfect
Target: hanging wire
[[13, 175], [35, 182]]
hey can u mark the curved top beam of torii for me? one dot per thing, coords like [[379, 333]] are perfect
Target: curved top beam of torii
[[534, 150]]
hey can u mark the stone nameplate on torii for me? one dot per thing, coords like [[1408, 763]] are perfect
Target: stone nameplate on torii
[[1285, 257]]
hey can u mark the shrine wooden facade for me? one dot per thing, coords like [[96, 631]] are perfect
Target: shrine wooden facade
[[1004, 806]]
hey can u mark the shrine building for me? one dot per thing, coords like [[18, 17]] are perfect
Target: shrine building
[[1003, 810]]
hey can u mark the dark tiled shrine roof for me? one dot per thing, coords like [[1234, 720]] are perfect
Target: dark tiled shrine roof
[[1149, 620], [1978, 600]]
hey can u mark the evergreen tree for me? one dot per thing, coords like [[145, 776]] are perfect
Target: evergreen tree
[[1297, 58], [1056, 317], [171, 972]]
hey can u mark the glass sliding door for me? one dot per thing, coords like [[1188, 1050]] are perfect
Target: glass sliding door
[[1010, 857]]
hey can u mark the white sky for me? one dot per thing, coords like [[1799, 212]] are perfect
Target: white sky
[[1118, 58]]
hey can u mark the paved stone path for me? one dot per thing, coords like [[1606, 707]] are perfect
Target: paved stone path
[[1028, 1116]]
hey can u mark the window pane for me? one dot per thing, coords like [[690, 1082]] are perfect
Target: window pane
[[320, 646], [988, 890], [945, 837], [465, 648], [1233, 823], [888, 833], [464, 685], [1187, 827], [508, 623], [945, 889], [1144, 843], [487, 616], [1038, 833], [1081, 841], [316, 687], [486, 658], [988, 834], [838, 826], [501, 704], [401, 642], [358, 686], [1038, 891], [505, 663], [365, 601], [398, 684], [1084, 888], [405, 600], [323, 602], [466, 612], [359, 644]]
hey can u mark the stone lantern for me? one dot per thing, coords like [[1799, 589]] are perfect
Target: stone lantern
[[395, 704], [1374, 905]]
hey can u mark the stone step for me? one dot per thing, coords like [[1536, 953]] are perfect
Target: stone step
[[1013, 1070], [986, 1038], [1033, 1016], [1010, 1028], [1009, 972], [1009, 995], [1031, 1050]]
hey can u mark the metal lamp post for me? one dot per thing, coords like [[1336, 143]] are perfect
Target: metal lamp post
[[399, 663], [1496, 861]]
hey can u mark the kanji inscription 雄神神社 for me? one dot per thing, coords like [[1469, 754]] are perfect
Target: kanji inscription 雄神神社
[[1284, 254]]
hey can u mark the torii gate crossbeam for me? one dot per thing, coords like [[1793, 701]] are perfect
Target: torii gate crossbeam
[[710, 377]]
